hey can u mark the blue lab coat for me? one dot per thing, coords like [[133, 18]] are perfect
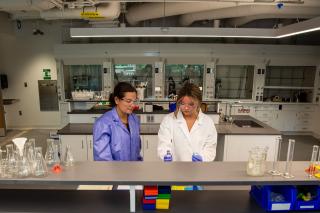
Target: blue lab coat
[[112, 141]]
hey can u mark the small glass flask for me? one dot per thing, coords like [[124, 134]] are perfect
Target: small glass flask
[[68, 157], [41, 169]]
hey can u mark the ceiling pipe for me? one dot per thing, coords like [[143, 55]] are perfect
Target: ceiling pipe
[[109, 11], [147, 11], [250, 10], [237, 22]]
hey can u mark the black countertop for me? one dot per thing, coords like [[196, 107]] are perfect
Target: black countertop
[[152, 129]]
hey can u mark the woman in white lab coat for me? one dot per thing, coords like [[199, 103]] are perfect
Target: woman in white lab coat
[[188, 134]]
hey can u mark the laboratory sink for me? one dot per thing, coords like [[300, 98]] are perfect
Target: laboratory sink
[[247, 124]]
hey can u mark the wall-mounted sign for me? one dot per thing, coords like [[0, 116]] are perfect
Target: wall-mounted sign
[[46, 74]]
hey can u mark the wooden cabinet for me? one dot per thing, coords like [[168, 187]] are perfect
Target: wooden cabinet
[[81, 146]]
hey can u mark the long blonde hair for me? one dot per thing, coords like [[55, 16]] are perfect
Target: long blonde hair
[[190, 90]]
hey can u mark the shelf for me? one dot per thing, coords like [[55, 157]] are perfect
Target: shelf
[[287, 87]]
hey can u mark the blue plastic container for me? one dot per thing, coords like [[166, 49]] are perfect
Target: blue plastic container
[[262, 195], [172, 106], [301, 205]]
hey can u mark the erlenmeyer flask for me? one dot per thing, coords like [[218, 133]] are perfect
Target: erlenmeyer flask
[[56, 158], [30, 153], [41, 169], [68, 157], [11, 167], [49, 157]]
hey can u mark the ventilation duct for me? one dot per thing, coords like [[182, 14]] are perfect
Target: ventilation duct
[[108, 11], [251, 10], [26, 5]]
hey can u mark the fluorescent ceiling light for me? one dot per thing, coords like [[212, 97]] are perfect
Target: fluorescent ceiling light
[[290, 30]]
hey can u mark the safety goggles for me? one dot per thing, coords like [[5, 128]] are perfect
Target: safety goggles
[[129, 101]]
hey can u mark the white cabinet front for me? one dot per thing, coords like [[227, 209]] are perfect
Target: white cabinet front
[[150, 146]]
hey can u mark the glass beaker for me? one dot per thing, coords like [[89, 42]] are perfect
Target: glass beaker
[[256, 165], [68, 157], [41, 169]]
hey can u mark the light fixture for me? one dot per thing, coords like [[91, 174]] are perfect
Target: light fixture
[[199, 32]]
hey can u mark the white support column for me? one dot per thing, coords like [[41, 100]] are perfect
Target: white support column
[[132, 198]]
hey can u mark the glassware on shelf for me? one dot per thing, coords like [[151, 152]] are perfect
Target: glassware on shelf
[[68, 157], [287, 172], [313, 160], [41, 169], [277, 150], [256, 165]]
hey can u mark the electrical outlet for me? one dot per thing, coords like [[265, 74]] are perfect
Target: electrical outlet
[[25, 84], [20, 112]]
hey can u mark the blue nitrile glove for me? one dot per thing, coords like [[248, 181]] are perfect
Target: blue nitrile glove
[[196, 158], [167, 157]]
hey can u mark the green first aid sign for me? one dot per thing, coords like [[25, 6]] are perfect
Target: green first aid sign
[[46, 74]]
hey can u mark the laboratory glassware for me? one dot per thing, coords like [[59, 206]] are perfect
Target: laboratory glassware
[[256, 165], [313, 160], [49, 157], [24, 169], [10, 164], [68, 157], [277, 150], [41, 169], [287, 172]]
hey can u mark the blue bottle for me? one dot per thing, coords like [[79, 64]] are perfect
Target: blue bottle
[[168, 157]]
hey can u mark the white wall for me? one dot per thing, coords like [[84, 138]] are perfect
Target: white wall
[[24, 57]]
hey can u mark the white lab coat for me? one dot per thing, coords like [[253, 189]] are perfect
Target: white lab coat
[[175, 137]]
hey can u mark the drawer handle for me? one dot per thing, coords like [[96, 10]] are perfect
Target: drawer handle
[[82, 143]]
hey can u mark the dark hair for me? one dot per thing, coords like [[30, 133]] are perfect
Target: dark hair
[[119, 91], [190, 90]]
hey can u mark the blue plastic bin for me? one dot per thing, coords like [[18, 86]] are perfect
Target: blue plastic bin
[[301, 205], [262, 195]]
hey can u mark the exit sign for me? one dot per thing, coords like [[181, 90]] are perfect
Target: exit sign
[[46, 74]]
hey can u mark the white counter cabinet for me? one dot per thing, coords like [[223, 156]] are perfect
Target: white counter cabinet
[[81, 146], [236, 147], [149, 147]]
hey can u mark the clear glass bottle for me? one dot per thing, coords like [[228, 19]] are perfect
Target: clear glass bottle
[[256, 165]]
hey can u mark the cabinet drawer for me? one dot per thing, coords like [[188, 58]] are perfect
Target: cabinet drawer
[[264, 114], [304, 115]]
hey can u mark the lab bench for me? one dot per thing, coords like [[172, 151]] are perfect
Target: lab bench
[[20, 194]]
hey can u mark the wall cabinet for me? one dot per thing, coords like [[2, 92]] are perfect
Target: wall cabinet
[[287, 117], [81, 146]]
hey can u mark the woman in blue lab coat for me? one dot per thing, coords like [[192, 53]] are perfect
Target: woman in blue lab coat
[[116, 134]]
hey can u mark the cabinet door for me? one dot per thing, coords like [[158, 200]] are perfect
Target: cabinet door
[[150, 145], [77, 144], [90, 147]]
